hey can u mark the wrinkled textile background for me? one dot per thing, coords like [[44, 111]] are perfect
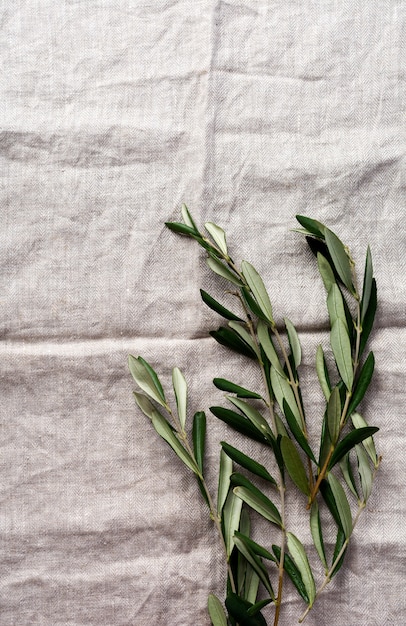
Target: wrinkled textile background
[[113, 113]]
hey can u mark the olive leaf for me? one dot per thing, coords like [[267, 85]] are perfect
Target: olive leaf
[[283, 392], [218, 235], [222, 270], [199, 437], [349, 441], [294, 465], [225, 471], [245, 336], [180, 388], [246, 462], [146, 378], [342, 505], [294, 342], [312, 226], [231, 519], [268, 347], [292, 571], [334, 415], [367, 284], [216, 611], [188, 219], [322, 372], [253, 415], [341, 347], [254, 497], [297, 431], [340, 258], [368, 443], [219, 308], [335, 305], [241, 392], [238, 422], [365, 471], [317, 533], [326, 272], [300, 559], [258, 289], [230, 339], [369, 317], [255, 562], [362, 383]]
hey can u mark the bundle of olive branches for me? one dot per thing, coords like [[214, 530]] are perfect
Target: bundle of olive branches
[[337, 472]]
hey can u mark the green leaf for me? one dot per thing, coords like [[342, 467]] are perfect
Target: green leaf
[[294, 342], [346, 469], [219, 308], [268, 347], [241, 392], [297, 432], [369, 317], [335, 306], [255, 563], [180, 389], [238, 609], [260, 503], [252, 304], [254, 547], [334, 415], [341, 347], [329, 499], [228, 338], [231, 520], [146, 379], [225, 471], [317, 534], [238, 422], [367, 286], [362, 383], [246, 462], [258, 289], [188, 219], [245, 336], [182, 229], [312, 226], [163, 429], [299, 556], [199, 436], [368, 443], [343, 507], [222, 270], [326, 272], [325, 442], [283, 391], [322, 372], [340, 541], [253, 415], [293, 572], [340, 258], [349, 441], [365, 471], [216, 611], [218, 235], [294, 465], [145, 405]]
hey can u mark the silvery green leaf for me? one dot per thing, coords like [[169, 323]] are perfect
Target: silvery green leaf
[[292, 571], [343, 507], [260, 503], [163, 429], [199, 437], [312, 226], [365, 471], [187, 218], [340, 541], [225, 471], [230, 339], [322, 372], [218, 235], [362, 383], [239, 423], [368, 443], [317, 534], [341, 347], [367, 286], [326, 272], [254, 547], [297, 431], [246, 462], [182, 229], [349, 441], [180, 388], [231, 519], [251, 304], [145, 405], [335, 306], [268, 347], [294, 465], [216, 611], [245, 336], [255, 562], [301, 561], [280, 426], [241, 392], [340, 258], [294, 342], [219, 308], [258, 289], [146, 379], [251, 584], [283, 391], [325, 442], [253, 415], [346, 469], [334, 415], [222, 270], [369, 317]]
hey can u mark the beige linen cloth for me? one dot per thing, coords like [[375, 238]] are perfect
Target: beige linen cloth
[[113, 113]]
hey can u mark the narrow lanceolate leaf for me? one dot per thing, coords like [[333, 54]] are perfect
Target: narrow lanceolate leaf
[[246, 462], [231, 519], [145, 405], [239, 609], [283, 391], [253, 415], [335, 306], [365, 472], [258, 289], [199, 437], [317, 535], [362, 383], [180, 389], [255, 563], [216, 611], [326, 272], [245, 336], [322, 372], [219, 308], [346, 469], [369, 317], [294, 465], [255, 547], [251, 304], [334, 415], [163, 428], [188, 219], [268, 347], [341, 347], [218, 235], [299, 556], [225, 471], [297, 431], [238, 422], [222, 270], [368, 443], [146, 379], [292, 571], [340, 541], [349, 441], [240, 392], [294, 342], [343, 507], [367, 286], [259, 503], [340, 258], [182, 229], [312, 226], [230, 339]]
